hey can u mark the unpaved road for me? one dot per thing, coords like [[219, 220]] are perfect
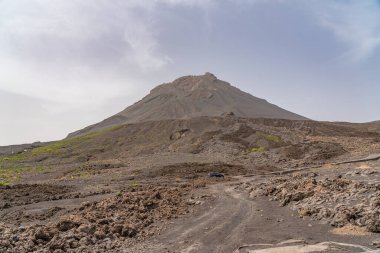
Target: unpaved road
[[231, 220]]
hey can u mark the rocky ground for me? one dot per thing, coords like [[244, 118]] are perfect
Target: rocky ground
[[66, 215], [96, 226], [144, 188], [339, 199]]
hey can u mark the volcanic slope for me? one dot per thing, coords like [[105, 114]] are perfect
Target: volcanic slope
[[193, 96], [373, 126]]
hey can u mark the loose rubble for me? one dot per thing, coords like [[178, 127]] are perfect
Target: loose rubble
[[335, 200], [107, 225]]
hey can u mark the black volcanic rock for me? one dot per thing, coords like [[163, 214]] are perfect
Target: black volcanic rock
[[194, 96]]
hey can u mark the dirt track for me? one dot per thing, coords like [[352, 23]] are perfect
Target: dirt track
[[224, 218], [231, 220], [219, 226], [218, 215]]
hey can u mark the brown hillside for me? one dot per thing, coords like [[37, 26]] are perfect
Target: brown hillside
[[194, 96]]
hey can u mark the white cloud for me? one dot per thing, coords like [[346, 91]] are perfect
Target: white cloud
[[73, 29], [356, 23], [353, 22], [67, 50], [70, 87], [197, 3], [141, 40]]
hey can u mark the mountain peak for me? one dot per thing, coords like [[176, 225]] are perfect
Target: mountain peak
[[194, 85], [194, 96], [209, 75]]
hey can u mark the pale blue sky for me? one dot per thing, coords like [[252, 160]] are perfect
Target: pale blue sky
[[65, 64]]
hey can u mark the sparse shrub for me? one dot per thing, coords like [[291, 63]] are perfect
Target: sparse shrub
[[12, 158], [270, 137], [4, 183], [258, 149]]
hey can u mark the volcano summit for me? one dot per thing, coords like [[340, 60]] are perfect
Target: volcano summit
[[194, 96]]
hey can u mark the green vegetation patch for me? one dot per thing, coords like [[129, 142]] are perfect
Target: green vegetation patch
[[12, 173], [63, 146], [270, 137], [265, 141], [9, 176], [4, 182], [12, 158], [257, 149]]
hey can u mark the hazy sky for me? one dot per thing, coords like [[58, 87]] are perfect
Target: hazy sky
[[65, 64]]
